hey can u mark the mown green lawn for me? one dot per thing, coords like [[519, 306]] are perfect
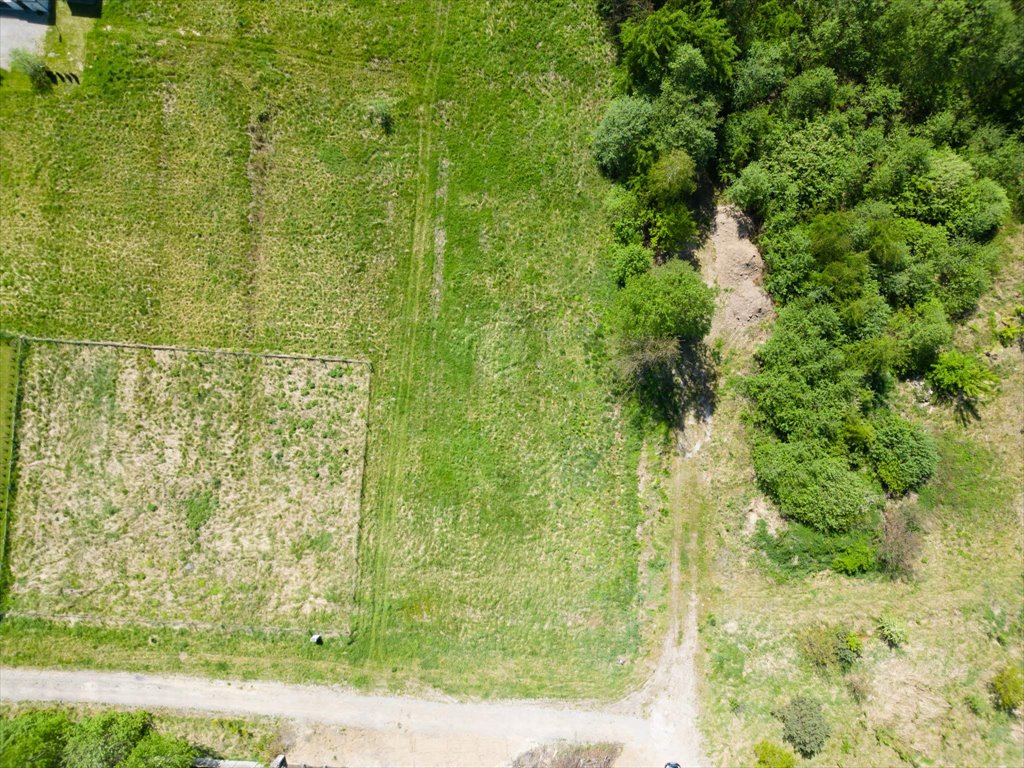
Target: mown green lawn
[[216, 181]]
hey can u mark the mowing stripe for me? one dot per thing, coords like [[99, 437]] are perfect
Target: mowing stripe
[[10, 369], [416, 293], [198, 350]]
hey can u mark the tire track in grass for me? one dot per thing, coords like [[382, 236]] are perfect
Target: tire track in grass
[[416, 296]]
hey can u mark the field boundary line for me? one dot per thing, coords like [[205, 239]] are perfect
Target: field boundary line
[[9, 469], [197, 350], [92, 620]]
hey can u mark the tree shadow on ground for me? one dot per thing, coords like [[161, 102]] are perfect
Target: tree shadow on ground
[[676, 387]]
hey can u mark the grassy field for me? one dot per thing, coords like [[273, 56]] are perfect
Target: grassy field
[[161, 485], [216, 180], [927, 702]]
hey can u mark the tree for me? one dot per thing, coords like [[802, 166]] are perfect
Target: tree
[[620, 136], [672, 177], [804, 725], [669, 302], [648, 44]]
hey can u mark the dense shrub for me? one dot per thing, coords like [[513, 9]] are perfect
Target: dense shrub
[[856, 560], [626, 215], [919, 333], [156, 750], [671, 177], [685, 117], [33, 739], [758, 75], [648, 44], [1008, 688], [105, 740], [830, 649], [621, 135], [670, 301], [958, 375], [629, 261], [891, 630], [904, 456], [815, 488], [804, 725], [799, 549], [770, 755], [949, 193], [811, 92], [671, 229]]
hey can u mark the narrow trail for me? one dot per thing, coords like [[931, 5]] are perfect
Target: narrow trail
[[393, 436], [656, 724]]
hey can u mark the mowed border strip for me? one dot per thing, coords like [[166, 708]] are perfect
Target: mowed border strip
[[10, 449], [23, 340]]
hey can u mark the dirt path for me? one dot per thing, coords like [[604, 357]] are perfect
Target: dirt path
[[476, 733]]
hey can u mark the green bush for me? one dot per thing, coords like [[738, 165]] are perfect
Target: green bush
[[672, 177], [903, 455], [1008, 688], [620, 137], [33, 739], [891, 630], [671, 229], [685, 117], [810, 92], [830, 649], [626, 215], [669, 301], [815, 488], [629, 261], [772, 755], [159, 751], [856, 560], [804, 725], [962, 376], [105, 740], [759, 74], [34, 68], [920, 333], [381, 115]]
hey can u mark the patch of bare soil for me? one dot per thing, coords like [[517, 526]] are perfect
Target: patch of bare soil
[[731, 261], [565, 755]]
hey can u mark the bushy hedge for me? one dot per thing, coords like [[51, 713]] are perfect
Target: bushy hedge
[[50, 739]]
